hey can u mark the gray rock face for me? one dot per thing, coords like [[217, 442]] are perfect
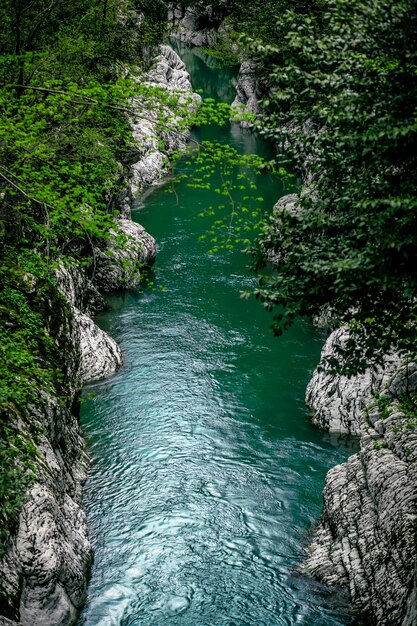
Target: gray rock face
[[100, 356], [247, 92], [43, 574], [169, 70], [366, 538], [79, 290], [157, 141], [288, 204], [52, 546], [338, 403], [46, 568], [119, 265], [197, 26]]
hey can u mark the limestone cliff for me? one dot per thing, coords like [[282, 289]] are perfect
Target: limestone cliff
[[44, 571], [197, 26], [248, 92], [366, 539]]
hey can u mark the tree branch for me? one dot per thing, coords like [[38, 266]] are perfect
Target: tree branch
[[83, 99]]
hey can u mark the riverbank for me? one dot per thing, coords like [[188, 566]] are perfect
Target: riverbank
[[366, 537], [46, 562]]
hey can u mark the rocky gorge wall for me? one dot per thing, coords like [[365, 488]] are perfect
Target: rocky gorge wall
[[366, 539], [196, 26], [44, 572], [204, 27]]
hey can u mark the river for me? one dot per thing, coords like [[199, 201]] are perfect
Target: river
[[206, 474]]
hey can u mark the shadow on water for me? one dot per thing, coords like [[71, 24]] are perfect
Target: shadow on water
[[207, 475]]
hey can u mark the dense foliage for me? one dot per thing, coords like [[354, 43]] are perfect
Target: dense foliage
[[65, 89], [343, 105], [340, 82]]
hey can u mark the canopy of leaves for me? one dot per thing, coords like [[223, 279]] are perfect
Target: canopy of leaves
[[343, 103], [64, 93]]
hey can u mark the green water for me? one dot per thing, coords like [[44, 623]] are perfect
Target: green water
[[206, 473]]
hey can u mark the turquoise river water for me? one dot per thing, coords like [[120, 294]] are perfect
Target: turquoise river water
[[206, 474]]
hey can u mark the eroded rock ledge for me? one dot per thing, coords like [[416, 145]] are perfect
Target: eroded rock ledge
[[43, 574], [366, 539], [168, 73]]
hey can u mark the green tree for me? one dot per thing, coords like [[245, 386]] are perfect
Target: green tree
[[342, 105]]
